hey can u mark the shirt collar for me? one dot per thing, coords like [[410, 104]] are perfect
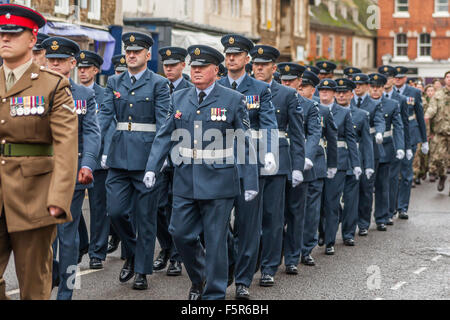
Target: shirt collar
[[238, 81], [19, 71], [177, 82], [207, 90], [389, 94], [91, 86], [402, 88], [362, 98], [138, 75]]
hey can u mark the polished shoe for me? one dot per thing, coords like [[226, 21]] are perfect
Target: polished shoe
[[140, 282], [349, 242], [195, 293], [113, 244], [95, 264], [127, 271], [266, 280], [381, 227], [161, 262], [308, 260], [230, 275], [363, 232], [417, 181], [291, 269], [82, 252], [321, 241], [329, 251], [390, 222], [402, 215], [174, 269], [441, 184], [242, 292]]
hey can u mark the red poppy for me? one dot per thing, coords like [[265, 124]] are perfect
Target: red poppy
[[117, 94], [178, 115]]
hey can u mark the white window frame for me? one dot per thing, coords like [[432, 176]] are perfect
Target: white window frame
[[343, 47], [398, 13], [96, 5], [332, 47], [440, 13], [216, 6], [26, 3], [267, 14], [398, 58], [299, 17], [420, 45], [235, 8], [320, 46], [63, 8]]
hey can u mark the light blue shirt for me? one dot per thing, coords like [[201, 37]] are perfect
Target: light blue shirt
[[207, 90], [138, 75], [91, 86], [402, 89], [329, 106], [362, 98], [177, 82], [238, 81], [389, 94]]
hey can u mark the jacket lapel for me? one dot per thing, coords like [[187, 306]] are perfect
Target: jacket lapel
[[2, 82], [146, 78], [245, 85], [212, 97], [274, 88]]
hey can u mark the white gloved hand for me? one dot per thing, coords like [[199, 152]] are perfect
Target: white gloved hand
[[369, 173], [103, 162], [379, 138], [297, 178], [331, 172], [269, 163], [400, 154], [409, 154], [308, 164], [166, 163], [149, 179], [425, 148], [357, 171], [249, 195]]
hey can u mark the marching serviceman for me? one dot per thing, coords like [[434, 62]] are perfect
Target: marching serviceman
[[39, 51], [296, 198], [291, 154], [263, 122], [325, 70], [206, 179], [350, 71], [393, 144], [39, 154], [60, 54], [139, 100]]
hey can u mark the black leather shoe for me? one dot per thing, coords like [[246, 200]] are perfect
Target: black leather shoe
[[161, 262], [230, 275], [403, 216], [363, 232], [390, 222], [82, 253], [417, 181], [441, 184], [349, 242], [95, 264], [195, 293], [140, 282], [291, 269], [174, 269], [266, 280], [308, 260], [381, 227], [329, 251], [127, 271], [113, 244], [55, 281], [321, 241], [242, 292]]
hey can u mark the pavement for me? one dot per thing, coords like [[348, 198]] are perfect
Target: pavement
[[410, 261]]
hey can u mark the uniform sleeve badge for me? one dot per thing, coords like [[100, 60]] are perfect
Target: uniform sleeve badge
[[69, 93]]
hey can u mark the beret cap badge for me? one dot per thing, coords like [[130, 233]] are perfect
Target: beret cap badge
[[122, 60], [82, 55], [358, 78], [231, 40], [325, 65], [287, 69], [260, 51], [55, 45], [325, 83], [341, 82], [197, 52], [386, 68], [132, 38], [375, 77], [168, 53]]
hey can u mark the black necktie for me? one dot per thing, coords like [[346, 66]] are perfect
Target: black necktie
[[201, 97], [172, 87], [234, 85], [398, 91], [387, 96], [359, 102], [133, 79]]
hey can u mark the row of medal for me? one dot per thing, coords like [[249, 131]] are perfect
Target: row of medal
[[25, 106], [80, 106], [218, 114], [252, 102]]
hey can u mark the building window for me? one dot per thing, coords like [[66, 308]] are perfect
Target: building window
[[425, 45], [441, 6], [299, 14], [26, 3], [95, 8], [235, 8], [216, 6], [343, 47], [62, 6], [401, 45], [401, 6], [331, 48], [318, 45], [266, 14]]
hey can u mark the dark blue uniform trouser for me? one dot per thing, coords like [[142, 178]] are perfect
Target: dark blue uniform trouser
[[382, 193], [272, 223], [332, 192], [68, 242], [99, 219], [164, 216], [247, 234], [83, 233], [294, 218], [120, 186], [312, 216], [350, 210], [192, 217], [366, 187], [402, 186]]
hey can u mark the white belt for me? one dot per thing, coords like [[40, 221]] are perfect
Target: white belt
[[411, 118], [206, 154], [130, 126], [372, 130], [342, 144], [387, 134]]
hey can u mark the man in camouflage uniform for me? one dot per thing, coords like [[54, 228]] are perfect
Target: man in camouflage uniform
[[439, 114]]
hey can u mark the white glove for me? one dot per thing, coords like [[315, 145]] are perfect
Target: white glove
[[357, 172], [400, 154], [331, 172], [103, 162], [269, 163], [308, 164], [149, 179], [425, 148], [250, 195], [379, 138], [166, 163], [297, 178], [409, 154], [369, 173]]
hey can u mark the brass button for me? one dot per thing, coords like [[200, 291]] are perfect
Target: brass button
[[131, 105], [196, 126], [3, 141], [147, 99], [4, 100], [129, 118], [195, 141], [2, 121], [198, 111], [3, 162], [132, 93]]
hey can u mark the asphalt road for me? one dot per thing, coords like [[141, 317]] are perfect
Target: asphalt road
[[409, 261]]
